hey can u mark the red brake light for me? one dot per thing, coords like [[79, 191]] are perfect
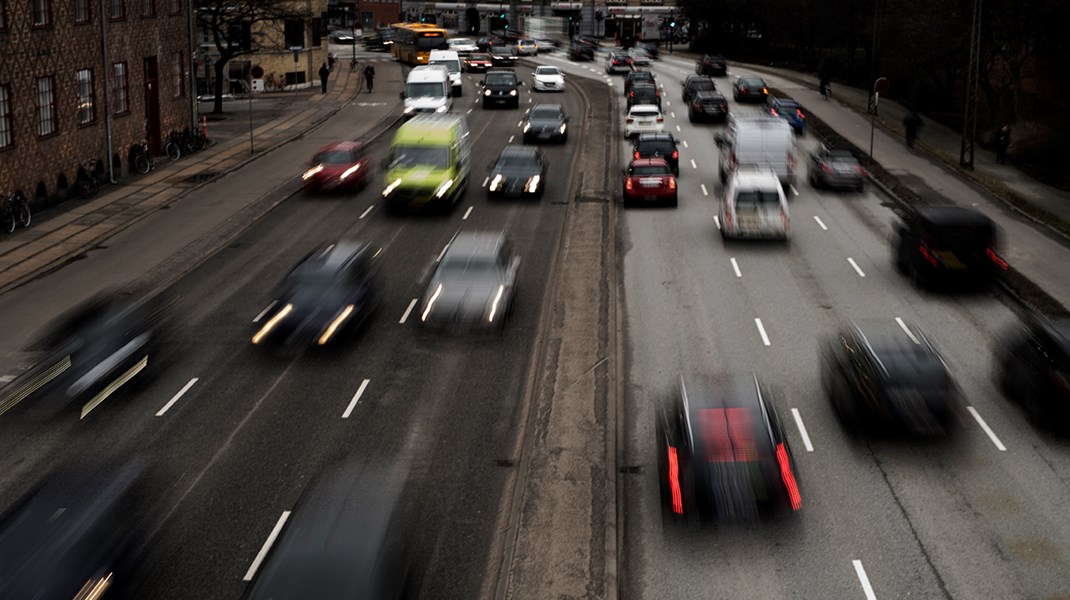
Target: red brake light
[[788, 477], [631, 94], [675, 154], [660, 120], [628, 183], [637, 154], [672, 183], [773, 112], [799, 112], [826, 168], [765, 90], [674, 482], [926, 255], [996, 259]]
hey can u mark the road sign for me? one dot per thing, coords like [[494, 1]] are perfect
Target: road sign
[[881, 85]]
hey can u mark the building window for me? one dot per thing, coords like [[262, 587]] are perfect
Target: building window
[[148, 8], [120, 88], [176, 7], [46, 106], [178, 78], [82, 12], [116, 10], [3, 15], [87, 106], [7, 122], [41, 13], [294, 33]]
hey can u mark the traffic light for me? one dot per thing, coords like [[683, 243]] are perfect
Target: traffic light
[[506, 25], [672, 24], [502, 16]]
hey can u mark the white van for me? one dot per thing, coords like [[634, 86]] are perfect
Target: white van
[[761, 140], [754, 205], [427, 90], [452, 61]]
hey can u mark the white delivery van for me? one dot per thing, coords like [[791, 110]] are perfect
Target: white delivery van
[[452, 61], [754, 205], [427, 90], [762, 141]]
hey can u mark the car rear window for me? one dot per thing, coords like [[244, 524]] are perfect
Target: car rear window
[[702, 84], [731, 435], [650, 170], [973, 237], [656, 147], [752, 199], [645, 113]]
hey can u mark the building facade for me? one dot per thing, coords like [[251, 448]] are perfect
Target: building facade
[[67, 99]]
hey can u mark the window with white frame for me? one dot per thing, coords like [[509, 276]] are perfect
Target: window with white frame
[[87, 105], [45, 101]]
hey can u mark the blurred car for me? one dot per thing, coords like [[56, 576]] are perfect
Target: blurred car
[[338, 167], [754, 205], [658, 145], [503, 56], [381, 40], [477, 62], [650, 48], [707, 106], [587, 40], [836, 168], [485, 43], [639, 58], [790, 111], [581, 52], [749, 89], [712, 65], [519, 171], [546, 122], [462, 46], [722, 453], [323, 299], [649, 180], [1033, 369], [546, 46], [644, 93], [886, 373], [527, 47], [697, 83], [501, 86], [640, 76], [952, 245], [643, 118], [473, 284], [618, 62], [341, 36], [547, 79]]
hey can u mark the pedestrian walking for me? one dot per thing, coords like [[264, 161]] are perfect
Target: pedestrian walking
[[1003, 141], [369, 76], [912, 123], [330, 61], [324, 74]]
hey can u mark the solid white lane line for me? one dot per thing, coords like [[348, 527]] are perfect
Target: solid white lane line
[[466, 213], [761, 330], [904, 327], [442, 253], [793, 190], [735, 267], [266, 547], [693, 165], [988, 430], [802, 430], [511, 139], [408, 310], [257, 318], [717, 222], [856, 267], [366, 211], [684, 142], [171, 402], [356, 398], [820, 222], [866, 587]]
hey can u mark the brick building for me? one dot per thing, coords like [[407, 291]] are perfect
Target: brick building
[[64, 95]]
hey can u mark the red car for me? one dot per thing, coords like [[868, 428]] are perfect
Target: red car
[[477, 62], [342, 166], [649, 180]]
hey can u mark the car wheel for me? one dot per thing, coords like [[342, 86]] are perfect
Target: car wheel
[[485, 104], [674, 201], [690, 117]]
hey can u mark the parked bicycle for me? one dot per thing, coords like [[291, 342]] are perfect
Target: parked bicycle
[[143, 160], [15, 210], [173, 148], [193, 140], [85, 184]]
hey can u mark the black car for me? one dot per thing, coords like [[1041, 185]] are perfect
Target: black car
[[1033, 369], [946, 244], [658, 145], [472, 286], [697, 83], [886, 373], [638, 77], [501, 86], [581, 52], [546, 122], [381, 40], [708, 106], [644, 93], [341, 36], [519, 171], [651, 49], [503, 56], [750, 89], [487, 42], [712, 65], [323, 299], [722, 453], [836, 168]]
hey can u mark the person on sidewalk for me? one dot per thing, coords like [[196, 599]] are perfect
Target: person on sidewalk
[[825, 87], [912, 123], [369, 76], [324, 74], [1003, 141]]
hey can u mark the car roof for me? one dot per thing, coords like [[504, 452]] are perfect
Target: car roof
[[727, 393], [655, 137], [707, 94], [750, 176], [330, 258], [650, 162], [519, 151], [555, 107], [692, 78], [475, 243], [785, 101], [945, 214], [896, 351]]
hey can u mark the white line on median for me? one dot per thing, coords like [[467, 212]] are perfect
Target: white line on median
[[408, 310], [672, 114], [466, 213], [257, 318], [735, 267], [856, 267], [366, 211], [717, 222], [356, 398], [438, 258], [988, 430], [704, 192], [171, 402], [485, 180], [693, 165], [793, 190], [866, 587], [820, 222], [761, 330], [267, 546], [802, 430], [904, 327], [468, 112]]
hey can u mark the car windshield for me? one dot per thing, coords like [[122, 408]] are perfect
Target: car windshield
[[473, 266], [415, 156], [431, 43], [789, 106], [958, 235], [754, 199], [501, 79], [502, 50], [454, 66], [645, 91], [546, 112], [752, 83], [650, 170], [547, 71], [475, 57], [512, 162], [425, 90], [333, 157], [840, 156]]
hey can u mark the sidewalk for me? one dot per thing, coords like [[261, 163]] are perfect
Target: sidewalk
[[77, 226]]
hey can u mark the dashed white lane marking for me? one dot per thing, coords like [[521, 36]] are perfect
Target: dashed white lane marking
[[468, 112], [466, 213], [988, 430], [677, 128], [366, 211], [793, 190], [802, 430], [356, 398], [693, 165], [266, 547], [511, 139], [408, 310], [519, 123], [485, 180], [684, 142], [910, 334], [171, 402], [667, 103], [704, 192], [717, 222], [735, 267], [761, 330], [856, 267], [820, 222], [672, 114], [866, 587], [257, 318]]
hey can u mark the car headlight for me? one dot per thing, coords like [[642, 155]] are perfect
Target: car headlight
[[312, 171], [563, 127], [486, 92], [349, 172], [390, 188], [496, 183], [512, 92], [442, 109], [527, 126], [431, 303], [533, 184], [266, 329], [409, 110], [494, 304], [442, 189]]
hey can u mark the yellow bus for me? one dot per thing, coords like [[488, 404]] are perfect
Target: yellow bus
[[413, 42]]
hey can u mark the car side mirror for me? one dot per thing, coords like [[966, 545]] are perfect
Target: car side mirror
[[520, 83], [401, 95]]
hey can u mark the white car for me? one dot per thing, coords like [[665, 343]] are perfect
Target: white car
[[462, 46], [754, 205], [643, 118], [527, 48], [548, 79]]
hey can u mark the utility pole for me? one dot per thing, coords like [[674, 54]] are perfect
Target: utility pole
[[969, 109]]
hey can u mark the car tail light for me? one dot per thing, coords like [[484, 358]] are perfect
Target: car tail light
[[636, 154], [800, 114], [765, 90], [628, 185], [660, 120], [724, 106], [675, 154], [826, 168], [791, 162], [674, 482], [860, 170], [629, 120], [927, 255], [742, 90], [657, 93], [773, 112], [696, 105], [672, 183], [788, 477], [995, 258], [732, 162], [631, 94]]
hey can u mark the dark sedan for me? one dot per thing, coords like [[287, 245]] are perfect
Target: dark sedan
[[330, 292], [712, 65], [749, 89], [341, 167], [697, 83], [519, 171], [1033, 366], [472, 285], [581, 52], [546, 122], [947, 245], [836, 168], [708, 106], [503, 56]]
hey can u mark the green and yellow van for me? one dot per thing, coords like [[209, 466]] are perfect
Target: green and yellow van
[[428, 163]]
